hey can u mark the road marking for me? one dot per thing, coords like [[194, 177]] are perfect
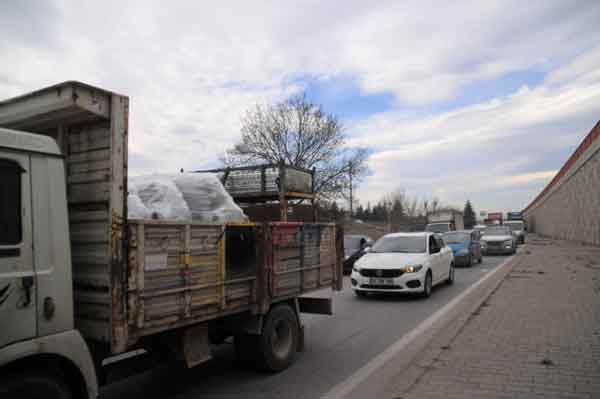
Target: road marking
[[347, 386]]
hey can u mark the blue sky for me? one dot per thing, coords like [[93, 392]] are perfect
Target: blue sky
[[461, 100]]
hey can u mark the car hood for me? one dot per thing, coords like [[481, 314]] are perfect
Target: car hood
[[496, 238], [389, 260]]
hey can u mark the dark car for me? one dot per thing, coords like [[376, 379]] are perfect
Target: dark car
[[465, 246], [354, 248]]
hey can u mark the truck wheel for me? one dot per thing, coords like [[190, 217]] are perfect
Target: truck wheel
[[278, 342], [35, 386]]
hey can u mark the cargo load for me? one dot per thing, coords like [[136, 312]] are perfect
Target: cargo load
[[189, 197]]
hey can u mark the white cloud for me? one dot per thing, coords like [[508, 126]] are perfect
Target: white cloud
[[191, 70], [476, 150]]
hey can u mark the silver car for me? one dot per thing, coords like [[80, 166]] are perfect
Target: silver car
[[498, 240]]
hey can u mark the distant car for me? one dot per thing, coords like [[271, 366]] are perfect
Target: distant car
[[480, 228], [403, 262], [518, 229], [465, 246], [354, 248], [498, 240]]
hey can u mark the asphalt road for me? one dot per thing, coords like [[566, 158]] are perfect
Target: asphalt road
[[336, 346]]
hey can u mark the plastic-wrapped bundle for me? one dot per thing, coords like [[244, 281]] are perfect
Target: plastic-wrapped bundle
[[160, 196], [192, 196], [135, 207], [207, 199]]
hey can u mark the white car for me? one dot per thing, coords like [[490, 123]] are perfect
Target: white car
[[498, 240], [404, 262]]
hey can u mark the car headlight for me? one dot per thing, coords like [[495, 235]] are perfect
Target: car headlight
[[356, 269], [411, 269]]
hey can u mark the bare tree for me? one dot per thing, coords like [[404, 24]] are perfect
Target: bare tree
[[299, 133]]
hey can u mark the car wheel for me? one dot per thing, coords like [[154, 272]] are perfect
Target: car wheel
[[428, 285], [480, 259], [450, 279]]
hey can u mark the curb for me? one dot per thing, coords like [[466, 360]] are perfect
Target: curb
[[397, 369]]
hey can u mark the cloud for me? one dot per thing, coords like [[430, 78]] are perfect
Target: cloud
[[192, 69], [516, 140]]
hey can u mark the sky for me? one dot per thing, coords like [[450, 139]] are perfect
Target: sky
[[459, 100]]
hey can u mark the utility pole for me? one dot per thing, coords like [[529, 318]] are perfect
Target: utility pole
[[351, 199]]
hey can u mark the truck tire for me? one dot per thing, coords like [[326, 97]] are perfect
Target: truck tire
[[35, 385], [278, 343]]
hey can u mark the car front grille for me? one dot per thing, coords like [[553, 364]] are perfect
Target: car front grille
[[386, 273], [380, 287]]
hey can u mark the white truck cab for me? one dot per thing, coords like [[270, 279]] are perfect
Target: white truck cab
[[36, 296]]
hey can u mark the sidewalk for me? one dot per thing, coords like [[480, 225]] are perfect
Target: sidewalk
[[537, 336]]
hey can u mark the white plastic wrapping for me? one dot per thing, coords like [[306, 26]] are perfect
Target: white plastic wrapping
[[198, 197], [207, 199], [160, 196], [135, 207]]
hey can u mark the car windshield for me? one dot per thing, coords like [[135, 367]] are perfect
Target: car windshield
[[497, 231], [456, 238], [438, 227], [399, 245], [515, 225], [352, 243]]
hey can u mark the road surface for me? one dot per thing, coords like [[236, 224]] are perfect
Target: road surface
[[336, 346]]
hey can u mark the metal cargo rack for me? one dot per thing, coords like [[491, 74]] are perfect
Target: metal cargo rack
[[262, 184]]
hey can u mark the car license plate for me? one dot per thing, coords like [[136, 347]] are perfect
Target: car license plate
[[381, 281]]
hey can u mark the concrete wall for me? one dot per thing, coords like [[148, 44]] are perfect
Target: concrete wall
[[569, 207]]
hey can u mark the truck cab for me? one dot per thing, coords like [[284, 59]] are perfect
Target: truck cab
[[36, 296]]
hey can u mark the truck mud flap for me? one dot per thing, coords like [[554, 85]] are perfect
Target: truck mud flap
[[315, 305]]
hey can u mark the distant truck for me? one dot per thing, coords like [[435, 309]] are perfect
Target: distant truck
[[444, 221], [515, 221], [81, 283], [493, 218], [514, 216]]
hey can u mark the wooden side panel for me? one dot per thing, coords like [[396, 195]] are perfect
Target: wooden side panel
[[177, 278], [88, 159], [303, 258]]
